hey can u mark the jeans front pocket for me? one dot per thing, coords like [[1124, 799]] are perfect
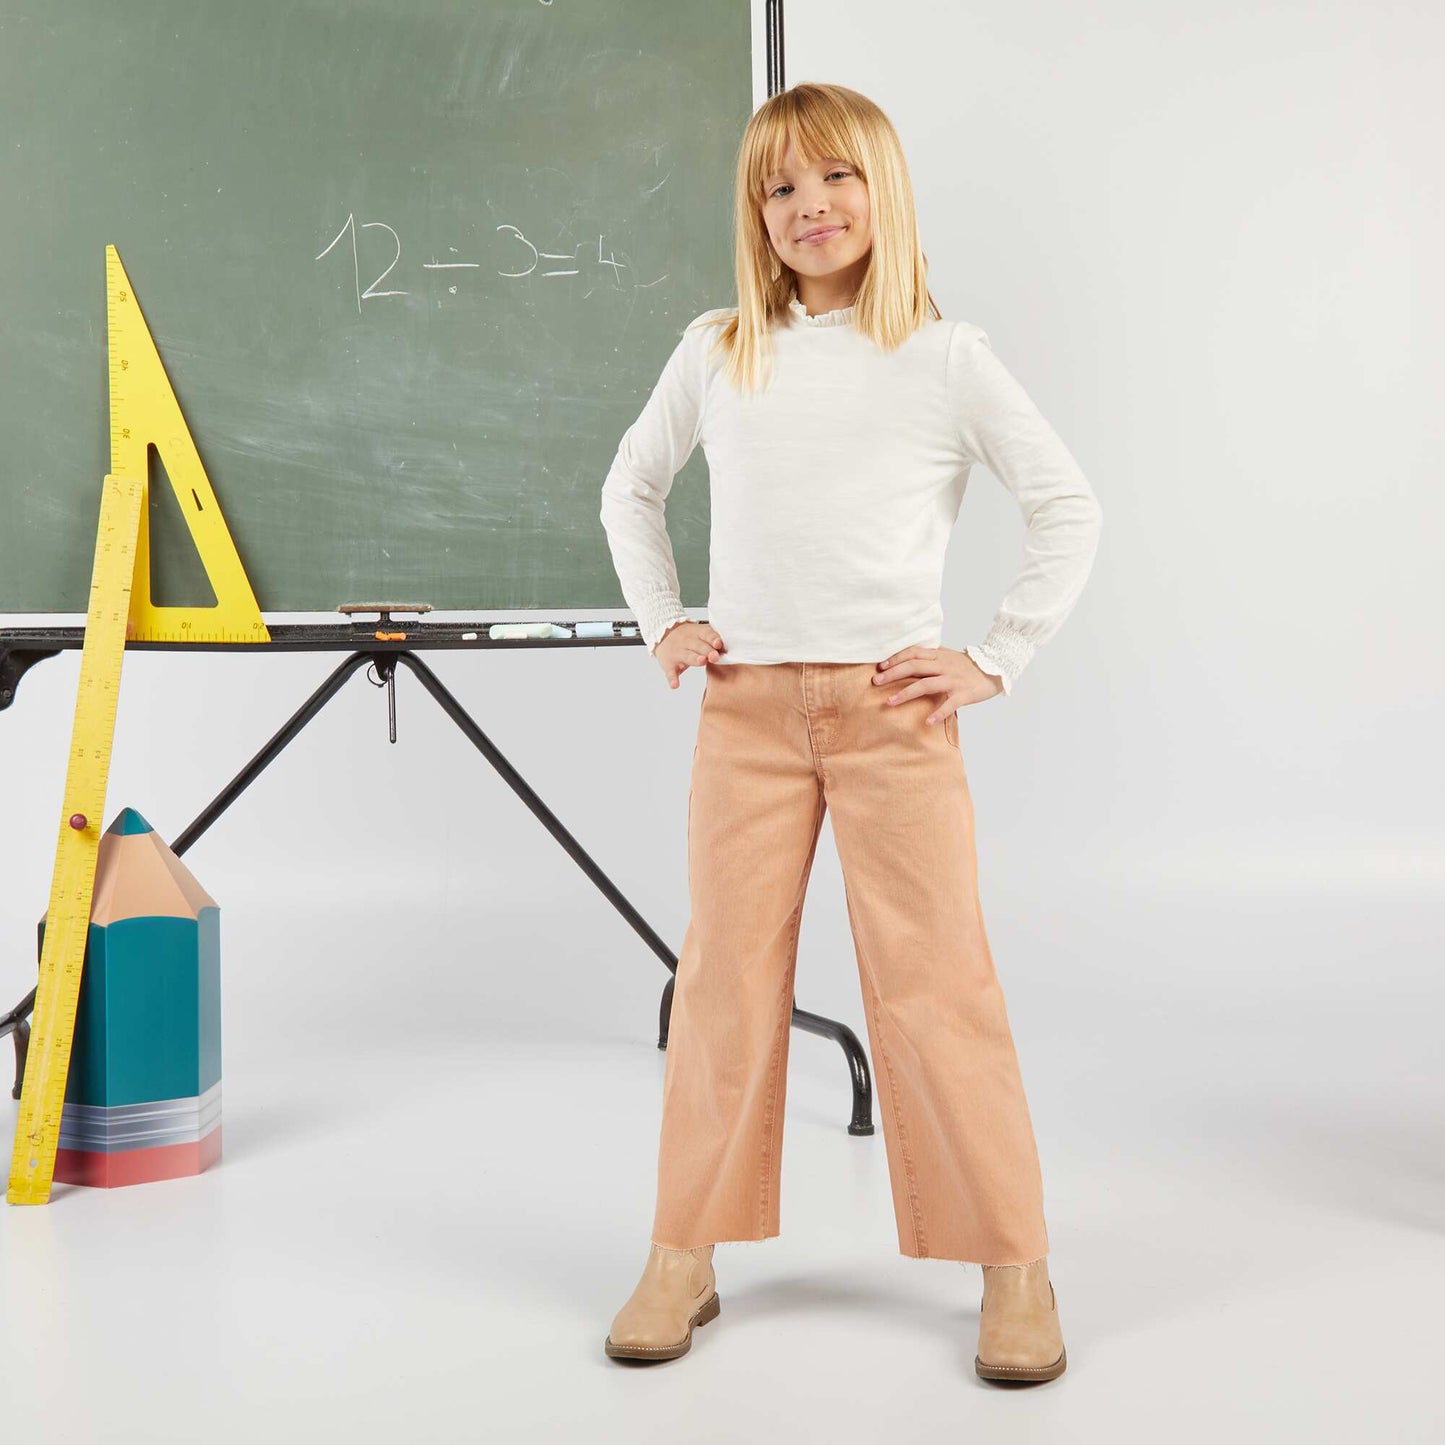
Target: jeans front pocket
[[950, 727]]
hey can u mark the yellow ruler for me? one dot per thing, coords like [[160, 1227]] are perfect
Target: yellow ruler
[[37, 1132], [143, 414]]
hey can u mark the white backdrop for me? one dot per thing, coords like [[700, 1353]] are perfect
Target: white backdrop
[[1207, 241]]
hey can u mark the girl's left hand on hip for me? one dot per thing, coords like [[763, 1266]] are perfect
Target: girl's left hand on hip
[[943, 670]]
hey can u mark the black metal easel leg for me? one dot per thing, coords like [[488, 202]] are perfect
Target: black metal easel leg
[[385, 662], [15, 1023], [272, 750]]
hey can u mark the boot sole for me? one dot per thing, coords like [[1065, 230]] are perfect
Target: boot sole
[[1022, 1372], [709, 1311]]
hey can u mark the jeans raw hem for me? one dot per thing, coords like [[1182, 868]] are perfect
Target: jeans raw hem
[[978, 1263], [758, 1239]]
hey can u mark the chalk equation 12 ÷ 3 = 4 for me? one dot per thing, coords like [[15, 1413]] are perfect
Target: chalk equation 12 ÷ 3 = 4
[[535, 263]]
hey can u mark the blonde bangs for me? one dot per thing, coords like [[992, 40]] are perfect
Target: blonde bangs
[[813, 130]]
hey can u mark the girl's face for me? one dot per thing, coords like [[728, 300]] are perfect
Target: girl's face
[[818, 217]]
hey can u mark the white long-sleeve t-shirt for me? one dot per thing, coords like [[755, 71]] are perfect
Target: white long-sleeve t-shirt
[[834, 492]]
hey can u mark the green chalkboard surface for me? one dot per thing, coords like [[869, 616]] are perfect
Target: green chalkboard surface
[[412, 266]]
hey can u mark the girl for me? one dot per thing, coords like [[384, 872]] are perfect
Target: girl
[[840, 415]]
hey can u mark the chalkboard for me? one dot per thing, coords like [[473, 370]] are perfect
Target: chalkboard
[[412, 266]]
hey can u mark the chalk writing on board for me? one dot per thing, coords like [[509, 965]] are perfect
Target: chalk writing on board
[[537, 257], [548, 256], [450, 265], [371, 290]]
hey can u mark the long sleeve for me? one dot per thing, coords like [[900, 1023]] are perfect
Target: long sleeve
[[652, 451], [1001, 427]]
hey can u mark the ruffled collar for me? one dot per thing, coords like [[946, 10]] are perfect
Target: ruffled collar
[[843, 316]]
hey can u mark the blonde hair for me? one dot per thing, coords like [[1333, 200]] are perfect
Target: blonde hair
[[893, 299]]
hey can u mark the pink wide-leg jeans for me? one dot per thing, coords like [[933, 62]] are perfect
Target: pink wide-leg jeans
[[777, 746]]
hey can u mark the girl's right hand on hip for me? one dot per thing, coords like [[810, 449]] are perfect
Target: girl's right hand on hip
[[687, 644]]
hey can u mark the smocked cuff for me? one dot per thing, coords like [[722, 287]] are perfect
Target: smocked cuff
[[1003, 654], [656, 614]]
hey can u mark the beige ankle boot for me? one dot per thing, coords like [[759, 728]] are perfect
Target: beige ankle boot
[[678, 1290], [1018, 1332]]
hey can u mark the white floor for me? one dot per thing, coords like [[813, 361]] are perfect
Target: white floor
[[428, 1212]]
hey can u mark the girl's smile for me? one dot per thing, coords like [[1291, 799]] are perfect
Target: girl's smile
[[820, 223]]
